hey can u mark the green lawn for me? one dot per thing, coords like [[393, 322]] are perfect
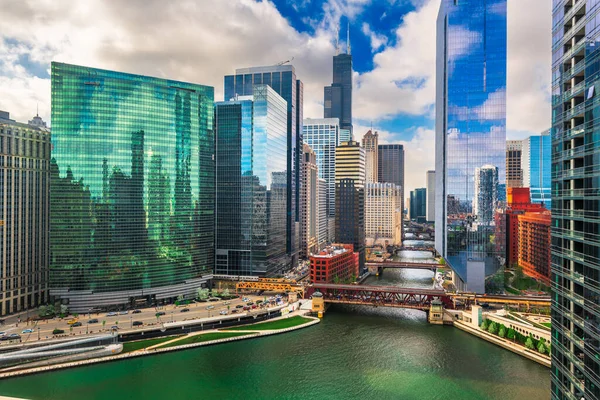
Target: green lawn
[[141, 344], [203, 338], [547, 324], [278, 324]]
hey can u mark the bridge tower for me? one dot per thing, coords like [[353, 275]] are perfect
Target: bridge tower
[[318, 304], [436, 313]]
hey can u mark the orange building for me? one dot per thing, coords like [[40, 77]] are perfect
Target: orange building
[[337, 262], [534, 245]]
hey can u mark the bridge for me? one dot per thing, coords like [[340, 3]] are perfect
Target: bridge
[[417, 248], [384, 296], [377, 267], [271, 285], [519, 301]]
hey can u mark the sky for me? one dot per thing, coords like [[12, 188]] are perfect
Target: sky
[[200, 41]]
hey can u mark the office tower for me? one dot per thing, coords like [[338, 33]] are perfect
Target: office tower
[[536, 161], [390, 165], [337, 263], [514, 171], [369, 143], [534, 245], [575, 202], [251, 196], [132, 188], [418, 204], [350, 197], [486, 193], [24, 206], [338, 96], [470, 134], [309, 228], [383, 213], [282, 78], [430, 214], [322, 135], [323, 233], [346, 135]]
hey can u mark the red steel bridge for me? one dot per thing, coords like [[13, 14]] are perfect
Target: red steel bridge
[[376, 267], [385, 296]]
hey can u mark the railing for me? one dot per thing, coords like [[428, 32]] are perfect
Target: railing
[[575, 89], [574, 50], [576, 7]]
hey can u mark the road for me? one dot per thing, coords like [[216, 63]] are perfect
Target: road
[[124, 322]]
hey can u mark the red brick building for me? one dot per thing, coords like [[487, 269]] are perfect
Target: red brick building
[[337, 262], [534, 245]]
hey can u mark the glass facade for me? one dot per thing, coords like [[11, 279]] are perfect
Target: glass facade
[[390, 165], [575, 191], [470, 134], [338, 96], [132, 187], [418, 204], [323, 136], [282, 79], [536, 162], [251, 184]]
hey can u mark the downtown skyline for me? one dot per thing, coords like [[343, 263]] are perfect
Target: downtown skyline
[[393, 92]]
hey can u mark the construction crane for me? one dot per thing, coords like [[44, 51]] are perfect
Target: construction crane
[[284, 62]]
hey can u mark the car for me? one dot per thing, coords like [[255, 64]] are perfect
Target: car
[[72, 321], [258, 301], [123, 312], [185, 310], [246, 308], [112, 314], [224, 312], [210, 307], [13, 336], [2, 334], [227, 303], [214, 299], [158, 314], [114, 328], [136, 311], [239, 306], [137, 323], [254, 306], [93, 321], [57, 331], [250, 303], [484, 305], [76, 324], [27, 331], [235, 310]]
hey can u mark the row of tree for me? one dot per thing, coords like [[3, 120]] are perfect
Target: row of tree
[[529, 342]]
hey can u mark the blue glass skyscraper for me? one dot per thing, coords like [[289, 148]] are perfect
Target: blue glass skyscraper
[[470, 133], [282, 78], [535, 163]]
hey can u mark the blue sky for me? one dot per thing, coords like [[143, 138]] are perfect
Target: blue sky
[[393, 44]]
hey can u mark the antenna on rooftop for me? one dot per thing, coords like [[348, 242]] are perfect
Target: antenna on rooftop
[[284, 62]]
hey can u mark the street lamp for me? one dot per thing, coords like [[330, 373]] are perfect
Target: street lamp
[[38, 333], [172, 317], [131, 322]]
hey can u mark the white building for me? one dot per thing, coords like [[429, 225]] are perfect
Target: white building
[[383, 213], [323, 233], [430, 207], [370, 144]]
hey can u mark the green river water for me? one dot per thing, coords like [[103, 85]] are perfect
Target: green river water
[[354, 353]]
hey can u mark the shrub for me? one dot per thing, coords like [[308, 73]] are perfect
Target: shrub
[[502, 331], [484, 325], [541, 348], [511, 334], [529, 343], [493, 328]]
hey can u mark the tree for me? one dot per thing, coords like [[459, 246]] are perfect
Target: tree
[[510, 334], [541, 347], [42, 311], [226, 292], [103, 323], [493, 328], [502, 331], [64, 309], [529, 343], [484, 325], [336, 279], [353, 278], [203, 293], [442, 261]]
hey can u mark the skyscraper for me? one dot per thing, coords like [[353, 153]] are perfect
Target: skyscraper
[[418, 204], [132, 188], [282, 78], [338, 96], [390, 165], [430, 215], [369, 143], [575, 202], [323, 136], [350, 197], [24, 209], [251, 183], [486, 193], [383, 213], [323, 237], [514, 171], [309, 228], [536, 161], [470, 133]]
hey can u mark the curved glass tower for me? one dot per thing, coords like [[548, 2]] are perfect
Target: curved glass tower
[[132, 188], [470, 138]]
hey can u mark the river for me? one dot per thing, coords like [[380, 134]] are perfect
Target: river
[[354, 353]]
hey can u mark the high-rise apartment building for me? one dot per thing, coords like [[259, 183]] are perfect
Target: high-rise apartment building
[[514, 171], [575, 201], [418, 204], [369, 143], [251, 184], [350, 197], [323, 136], [338, 97], [309, 228], [536, 161], [390, 165], [24, 210], [430, 214], [282, 79], [132, 188], [470, 134], [383, 213]]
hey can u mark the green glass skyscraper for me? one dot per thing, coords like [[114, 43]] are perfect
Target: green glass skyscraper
[[132, 188]]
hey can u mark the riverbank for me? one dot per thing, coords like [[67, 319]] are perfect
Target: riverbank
[[169, 346]]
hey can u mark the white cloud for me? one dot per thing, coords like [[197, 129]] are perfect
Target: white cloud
[[377, 40]]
